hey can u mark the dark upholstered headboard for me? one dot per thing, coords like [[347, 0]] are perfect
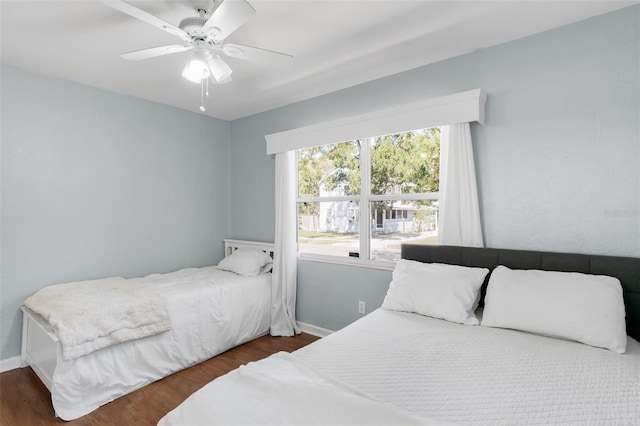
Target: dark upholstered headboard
[[626, 269]]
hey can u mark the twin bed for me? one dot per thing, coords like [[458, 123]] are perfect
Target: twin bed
[[415, 361], [211, 310]]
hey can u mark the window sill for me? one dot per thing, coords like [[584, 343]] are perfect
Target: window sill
[[357, 262]]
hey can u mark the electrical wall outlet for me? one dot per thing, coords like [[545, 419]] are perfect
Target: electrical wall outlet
[[361, 307]]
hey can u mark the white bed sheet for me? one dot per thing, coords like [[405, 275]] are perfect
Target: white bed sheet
[[480, 375], [211, 311]]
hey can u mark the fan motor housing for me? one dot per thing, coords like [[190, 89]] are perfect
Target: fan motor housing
[[193, 26]]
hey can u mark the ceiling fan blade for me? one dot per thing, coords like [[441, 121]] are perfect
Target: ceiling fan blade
[[255, 54], [138, 55], [227, 18], [140, 14]]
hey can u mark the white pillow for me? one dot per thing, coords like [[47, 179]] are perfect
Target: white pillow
[[449, 292], [570, 305], [247, 262]]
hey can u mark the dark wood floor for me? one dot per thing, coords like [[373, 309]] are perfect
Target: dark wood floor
[[25, 401]]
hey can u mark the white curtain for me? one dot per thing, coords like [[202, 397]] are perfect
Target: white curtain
[[459, 210], [283, 293]]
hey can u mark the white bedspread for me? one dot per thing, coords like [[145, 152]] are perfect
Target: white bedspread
[[281, 390], [211, 311], [91, 315], [480, 375], [423, 368]]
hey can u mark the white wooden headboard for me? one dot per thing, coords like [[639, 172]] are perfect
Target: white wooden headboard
[[231, 245]]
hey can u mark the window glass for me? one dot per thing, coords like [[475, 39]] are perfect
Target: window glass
[[415, 222], [400, 173], [406, 163], [329, 170], [330, 228]]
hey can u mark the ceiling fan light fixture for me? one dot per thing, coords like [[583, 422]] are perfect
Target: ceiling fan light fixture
[[219, 68], [225, 81], [197, 68]]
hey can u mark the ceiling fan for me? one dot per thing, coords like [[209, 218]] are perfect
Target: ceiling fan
[[204, 35]]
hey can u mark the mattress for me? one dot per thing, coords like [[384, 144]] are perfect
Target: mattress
[[211, 311], [480, 375]]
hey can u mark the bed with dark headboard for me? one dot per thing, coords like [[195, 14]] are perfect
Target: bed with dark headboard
[[551, 346], [626, 269]]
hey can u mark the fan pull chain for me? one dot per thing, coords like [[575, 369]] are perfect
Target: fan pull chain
[[202, 108], [207, 88]]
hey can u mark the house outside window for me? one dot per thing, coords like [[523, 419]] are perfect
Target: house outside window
[[363, 198]]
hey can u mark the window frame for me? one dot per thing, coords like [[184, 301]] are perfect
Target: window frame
[[461, 107], [365, 198]]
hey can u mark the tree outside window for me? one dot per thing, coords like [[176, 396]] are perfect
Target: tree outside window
[[400, 175]]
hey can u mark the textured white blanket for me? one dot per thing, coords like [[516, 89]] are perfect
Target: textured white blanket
[[281, 390], [476, 375], [90, 315]]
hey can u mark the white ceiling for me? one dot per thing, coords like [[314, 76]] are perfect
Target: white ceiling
[[335, 44]]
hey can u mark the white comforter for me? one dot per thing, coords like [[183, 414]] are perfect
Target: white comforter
[[91, 315], [211, 311], [432, 369], [281, 390], [480, 375]]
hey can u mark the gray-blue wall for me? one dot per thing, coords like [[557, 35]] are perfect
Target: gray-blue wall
[[97, 184], [558, 161]]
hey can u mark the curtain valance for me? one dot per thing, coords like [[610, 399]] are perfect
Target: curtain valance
[[463, 107]]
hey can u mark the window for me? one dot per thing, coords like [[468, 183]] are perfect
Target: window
[[365, 197]]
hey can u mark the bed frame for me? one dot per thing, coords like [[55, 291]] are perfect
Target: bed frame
[[232, 245], [626, 269], [40, 346]]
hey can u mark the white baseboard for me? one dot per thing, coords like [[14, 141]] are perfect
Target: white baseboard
[[314, 330], [10, 364]]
